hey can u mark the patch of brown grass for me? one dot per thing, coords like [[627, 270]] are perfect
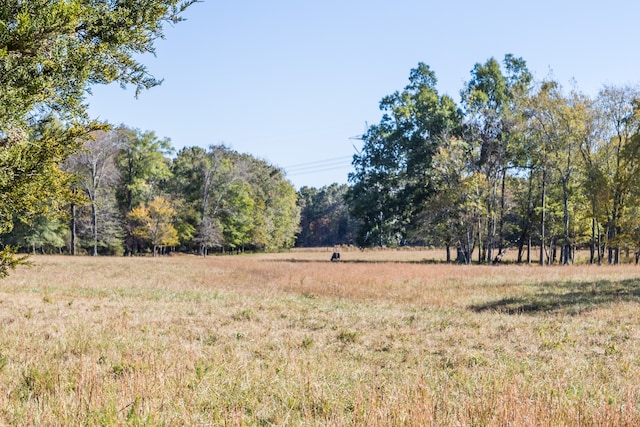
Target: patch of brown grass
[[292, 339]]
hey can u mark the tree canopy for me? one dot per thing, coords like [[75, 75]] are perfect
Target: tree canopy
[[134, 197], [519, 163], [51, 53], [391, 177]]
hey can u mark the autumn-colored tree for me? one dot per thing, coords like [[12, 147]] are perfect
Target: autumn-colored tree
[[153, 222]]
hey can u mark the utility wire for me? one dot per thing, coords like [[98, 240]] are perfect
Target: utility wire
[[317, 170], [317, 163], [319, 166]]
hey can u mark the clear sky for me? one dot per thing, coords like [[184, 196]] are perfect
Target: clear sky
[[292, 81]]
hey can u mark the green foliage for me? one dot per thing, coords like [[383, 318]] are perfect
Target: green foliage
[[218, 199], [9, 261], [41, 234], [325, 218], [236, 215], [51, 53], [493, 129], [30, 172], [143, 166], [521, 162], [391, 178], [276, 213], [620, 151], [233, 200], [452, 214], [524, 163]]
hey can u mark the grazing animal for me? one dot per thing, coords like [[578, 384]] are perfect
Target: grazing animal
[[335, 257], [498, 258]]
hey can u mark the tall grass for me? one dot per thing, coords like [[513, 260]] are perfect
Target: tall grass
[[292, 339]]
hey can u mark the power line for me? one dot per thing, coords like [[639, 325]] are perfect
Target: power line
[[317, 170], [319, 166], [317, 163]]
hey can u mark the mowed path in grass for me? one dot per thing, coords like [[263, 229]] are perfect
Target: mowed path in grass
[[380, 338]]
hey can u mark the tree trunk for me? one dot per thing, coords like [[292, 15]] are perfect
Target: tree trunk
[[520, 248], [479, 241], [599, 244], [463, 256], [73, 228], [524, 236], [592, 246], [94, 226], [566, 246], [543, 218], [501, 219], [614, 251]]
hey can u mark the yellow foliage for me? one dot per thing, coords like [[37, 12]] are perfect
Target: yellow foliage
[[154, 222]]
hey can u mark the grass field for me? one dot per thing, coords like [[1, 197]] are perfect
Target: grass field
[[380, 338]]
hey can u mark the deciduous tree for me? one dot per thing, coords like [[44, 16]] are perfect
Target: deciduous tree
[[392, 172], [491, 99], [154, 222], [98, 176], [325, 218], [620, 155]]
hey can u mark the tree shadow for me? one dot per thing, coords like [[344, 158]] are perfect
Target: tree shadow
[[569, 298]]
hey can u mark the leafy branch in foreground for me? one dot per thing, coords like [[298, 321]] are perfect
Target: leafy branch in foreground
[[9, 260], [51, 53]]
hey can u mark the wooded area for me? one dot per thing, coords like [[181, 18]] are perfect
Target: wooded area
[[520, 163], [132, 197]]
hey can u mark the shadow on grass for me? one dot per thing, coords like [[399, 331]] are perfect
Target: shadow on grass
[[566, 298]]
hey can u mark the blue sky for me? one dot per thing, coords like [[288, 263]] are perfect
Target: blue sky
[[291, 82]]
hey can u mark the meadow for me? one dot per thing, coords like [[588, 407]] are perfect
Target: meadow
[[381, 338]]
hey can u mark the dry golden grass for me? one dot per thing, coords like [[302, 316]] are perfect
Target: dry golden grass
[[292, 339]]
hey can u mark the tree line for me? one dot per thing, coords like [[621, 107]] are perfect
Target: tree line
[[520, 164], [132, 196]]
